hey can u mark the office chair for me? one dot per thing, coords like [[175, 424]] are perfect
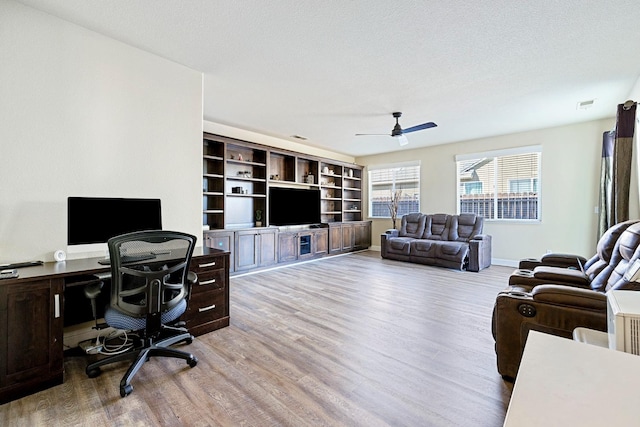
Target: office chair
[[148, 296]]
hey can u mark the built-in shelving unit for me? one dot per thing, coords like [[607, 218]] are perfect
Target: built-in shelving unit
[[237, 176], [213, 183]]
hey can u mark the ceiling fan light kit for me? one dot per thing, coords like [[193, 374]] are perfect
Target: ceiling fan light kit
[[399, 134]]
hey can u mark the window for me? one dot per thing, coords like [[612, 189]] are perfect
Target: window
[[502, 184], [402, 179]]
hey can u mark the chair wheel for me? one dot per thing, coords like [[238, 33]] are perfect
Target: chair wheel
[[189, 340], [126, 390], [95, 372], [192, 362]]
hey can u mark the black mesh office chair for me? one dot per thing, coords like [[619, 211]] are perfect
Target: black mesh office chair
[[150, 284]]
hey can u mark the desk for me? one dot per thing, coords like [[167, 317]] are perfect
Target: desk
[[32, 311], [565, 383]]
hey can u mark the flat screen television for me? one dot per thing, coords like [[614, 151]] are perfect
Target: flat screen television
[[294, 206], [91, 221]]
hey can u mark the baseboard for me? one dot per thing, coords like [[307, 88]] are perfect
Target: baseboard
[[504, 262]]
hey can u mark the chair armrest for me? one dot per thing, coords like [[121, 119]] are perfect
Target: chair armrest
[[192, 279]]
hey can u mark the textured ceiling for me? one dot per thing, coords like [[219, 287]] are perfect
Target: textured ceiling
[[327, 70]]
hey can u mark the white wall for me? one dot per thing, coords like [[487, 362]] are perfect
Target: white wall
[[570, 186], [84, 115]]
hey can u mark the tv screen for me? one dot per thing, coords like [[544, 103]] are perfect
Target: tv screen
[[294, 206], [93, 220]]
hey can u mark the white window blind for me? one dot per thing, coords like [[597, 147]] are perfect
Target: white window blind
[[386, 180], [502, 185]]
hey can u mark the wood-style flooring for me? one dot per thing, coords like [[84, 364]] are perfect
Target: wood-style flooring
[[352, 340]]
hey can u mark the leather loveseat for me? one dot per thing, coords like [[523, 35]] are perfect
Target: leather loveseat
[[555, 300], [453, 241]]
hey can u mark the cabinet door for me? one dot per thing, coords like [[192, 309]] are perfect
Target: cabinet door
[[247, 249], [335, 238], [287, 243], [362, 232], [31, 329], [223, 240], [268, 247], [347, 237], [321, 242]]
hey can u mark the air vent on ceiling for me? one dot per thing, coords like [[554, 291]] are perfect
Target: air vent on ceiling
[[585, 105]]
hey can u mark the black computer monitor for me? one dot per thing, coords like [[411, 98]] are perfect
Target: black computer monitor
[[91, 221]]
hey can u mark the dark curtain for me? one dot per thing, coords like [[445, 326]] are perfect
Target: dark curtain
[[615, 175]]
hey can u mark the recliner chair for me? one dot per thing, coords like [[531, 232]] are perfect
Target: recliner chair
[[148, 295], [559, 307]]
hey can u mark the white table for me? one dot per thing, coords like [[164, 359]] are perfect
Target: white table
[[563, 383]]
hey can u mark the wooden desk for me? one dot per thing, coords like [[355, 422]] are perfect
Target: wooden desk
[[32, 310], [566, 383]]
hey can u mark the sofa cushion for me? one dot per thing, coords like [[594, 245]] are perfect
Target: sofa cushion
[[424, 248], [399, 245], [465, 226], [412, 225], [452, 251], [438, 228]]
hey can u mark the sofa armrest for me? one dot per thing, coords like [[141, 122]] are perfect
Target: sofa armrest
[[552, 309], [569, 296], [561, 276], [392, 232], [553, 260], [479, 252]]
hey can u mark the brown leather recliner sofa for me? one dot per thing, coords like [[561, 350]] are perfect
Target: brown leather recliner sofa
[[453, 241], [556, 299]]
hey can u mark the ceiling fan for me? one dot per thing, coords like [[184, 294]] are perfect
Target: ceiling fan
[[398, 133]]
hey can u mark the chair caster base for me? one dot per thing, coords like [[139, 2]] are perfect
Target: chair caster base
[[126, 390], [93, 373], [192, 362]]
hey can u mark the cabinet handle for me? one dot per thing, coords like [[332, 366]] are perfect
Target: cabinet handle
[[56, 307], [207, 282], [210, 264], [211, 307]]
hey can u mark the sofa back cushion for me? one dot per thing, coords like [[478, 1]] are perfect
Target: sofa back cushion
[[604, 251], [412, 225], [437, 227], [465, 226], [625, 251]]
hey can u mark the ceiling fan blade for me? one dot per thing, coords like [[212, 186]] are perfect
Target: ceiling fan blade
[[419, 127]]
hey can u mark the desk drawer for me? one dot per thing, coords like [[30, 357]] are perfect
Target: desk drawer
[[209, 281], [207, 263], [205, 307]]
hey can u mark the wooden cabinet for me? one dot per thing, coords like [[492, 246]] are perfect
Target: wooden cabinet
[[31, 329], [255, 248], [303, 244], [349, 236], [208, 307]]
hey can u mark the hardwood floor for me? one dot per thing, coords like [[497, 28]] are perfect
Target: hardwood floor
[[345, 341]]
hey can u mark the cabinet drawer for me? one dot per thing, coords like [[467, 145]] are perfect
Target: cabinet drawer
[[209, 281], [207, 263], [205, 307]]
